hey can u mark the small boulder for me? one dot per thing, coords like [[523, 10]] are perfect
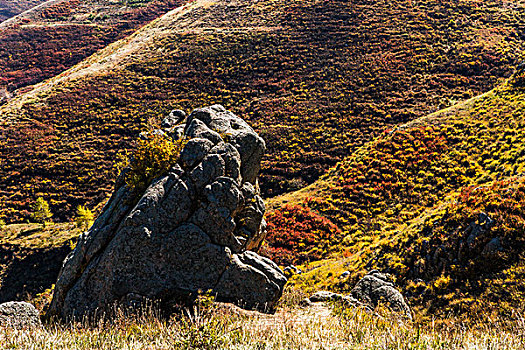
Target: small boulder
[[478, 228], [175, 117], [372, 289], [17, 314], [306, 302], [376, 287], [324, 295], [492, 248], [292, 270]]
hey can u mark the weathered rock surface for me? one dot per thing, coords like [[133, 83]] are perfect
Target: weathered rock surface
[[372, 289], [292, 270], [190, 231], [19, 315], [375, 287], [324, 295]]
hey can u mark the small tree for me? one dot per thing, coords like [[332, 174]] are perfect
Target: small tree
[[41, 212], [84, 217]]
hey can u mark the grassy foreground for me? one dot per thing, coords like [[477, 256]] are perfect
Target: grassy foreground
[[217, 326]]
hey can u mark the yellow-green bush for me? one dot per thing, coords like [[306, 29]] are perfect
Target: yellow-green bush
[[153, 157], [84, 218]]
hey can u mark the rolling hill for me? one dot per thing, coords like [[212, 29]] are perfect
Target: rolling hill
[[317, 79], [49, 38], [10, 8], [438, 202]]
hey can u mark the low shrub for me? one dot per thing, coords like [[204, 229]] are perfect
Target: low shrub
[[297, 235], [153, 157]]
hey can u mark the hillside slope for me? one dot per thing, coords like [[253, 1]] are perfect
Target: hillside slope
[[438, 202], [317, 79], [47, 39], [31, 257], [10, 8]]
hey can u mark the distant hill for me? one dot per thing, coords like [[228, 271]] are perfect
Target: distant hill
[[48, 39], [439, 202], [317, 79], [10, 8]]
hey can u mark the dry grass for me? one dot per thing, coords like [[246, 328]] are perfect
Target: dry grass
[[35, 236], [222, 327]]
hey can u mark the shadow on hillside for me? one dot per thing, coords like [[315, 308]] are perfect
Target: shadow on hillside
[[29, 232], [28, 271]]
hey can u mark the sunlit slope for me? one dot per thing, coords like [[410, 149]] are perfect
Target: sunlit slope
[[31, 257], [439, 202], [317, 79]]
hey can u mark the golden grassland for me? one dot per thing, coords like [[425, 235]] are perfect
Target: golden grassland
[[32, 235], [31, 257], [217, 326]]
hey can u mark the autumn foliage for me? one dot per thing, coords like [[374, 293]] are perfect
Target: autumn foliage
[[297, 235], [317, 80], [472, 247], [43, 44], [153, 156], [439, 203], [10, 8]]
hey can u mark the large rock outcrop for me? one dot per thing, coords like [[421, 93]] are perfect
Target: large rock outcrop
[[193, 229]]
